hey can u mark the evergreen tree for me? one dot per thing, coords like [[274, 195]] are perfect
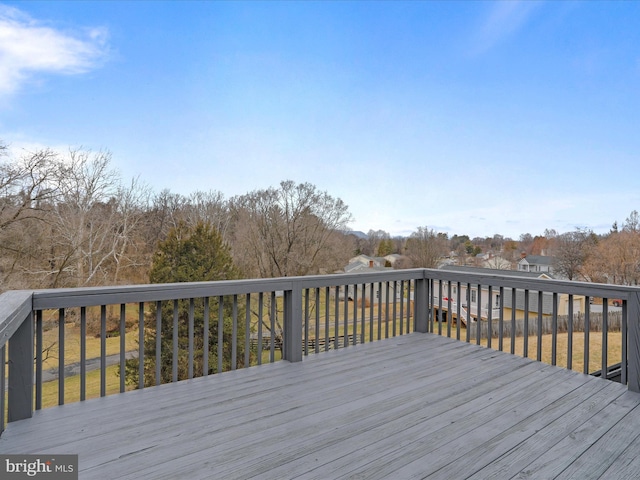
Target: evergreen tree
[[191, 254]]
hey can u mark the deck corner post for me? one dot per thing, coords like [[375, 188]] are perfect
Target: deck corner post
[[20, 395], [633, 326], [421, 310], [293, 323]]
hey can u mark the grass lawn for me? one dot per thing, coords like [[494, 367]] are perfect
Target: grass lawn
[[72, 348], [72, 345], [614, 348]]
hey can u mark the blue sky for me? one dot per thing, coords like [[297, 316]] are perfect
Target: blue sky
[[467, 117]]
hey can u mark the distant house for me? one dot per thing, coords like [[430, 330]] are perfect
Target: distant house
[[496, 262], [535, 264], [364, 262], [392, 258], [469, 301], [377, 291]]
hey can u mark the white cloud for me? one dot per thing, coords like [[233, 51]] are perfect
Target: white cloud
[[504, 19], [29, 47]]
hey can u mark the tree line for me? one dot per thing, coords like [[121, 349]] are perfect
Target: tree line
[[69, 220]]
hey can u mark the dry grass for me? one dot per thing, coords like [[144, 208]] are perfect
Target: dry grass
[[72, 345], [72, 387], [614, 348]]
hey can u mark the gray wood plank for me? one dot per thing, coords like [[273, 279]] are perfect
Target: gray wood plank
[[557, 419], [337, 396], [405, 407], [627, 465], [436, 443], [605, 451], [572, 447], [518, 454]]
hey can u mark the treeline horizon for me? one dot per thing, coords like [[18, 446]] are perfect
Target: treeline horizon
[[69, 220]]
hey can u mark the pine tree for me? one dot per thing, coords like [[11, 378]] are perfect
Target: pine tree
[[191, 254]]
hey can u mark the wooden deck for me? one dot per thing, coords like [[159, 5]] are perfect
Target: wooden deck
[[414, 406]]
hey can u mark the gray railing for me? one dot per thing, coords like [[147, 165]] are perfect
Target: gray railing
[[193, 329]]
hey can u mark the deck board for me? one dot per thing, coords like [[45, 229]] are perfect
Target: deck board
[[414, 406]]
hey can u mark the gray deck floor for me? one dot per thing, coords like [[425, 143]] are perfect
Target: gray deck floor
[[414, 406]]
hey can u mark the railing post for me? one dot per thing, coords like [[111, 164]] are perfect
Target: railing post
[[421, 305], [633, 326], [293, 323], [21, 372]]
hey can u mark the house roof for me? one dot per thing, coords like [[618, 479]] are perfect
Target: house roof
[[494, 271], [359, 267], [537, 260]]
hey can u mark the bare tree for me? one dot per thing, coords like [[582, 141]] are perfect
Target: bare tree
[[27, 193], [286, 231], [425, 248], [571, 251], [94, 222], [616, 259]]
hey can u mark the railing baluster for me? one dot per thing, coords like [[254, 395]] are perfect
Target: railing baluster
[[205, 336], [327, 308], [554, 330], [103, 350], [570, 335], [247, 332], [513, 321], [355, 314], [624, 360], [386, 309], [489, 317], [624, 339], [190, 335], [458, 310], [449, 316], [336, 320], [605, 336], [158, 342], [525, 349], [501, 320], [260, 320], [539, 344], [174, 365], [345, 321], [371, 312], [234, 333], [379, 295], [439, 307], [140, 345], [362, 316], [468, 335], [305, 345], [123, 346], [39, 348], [402, 331], [272, 324], [61, 321], [220, 350], [317, 315], [587, 329], [479, 319]]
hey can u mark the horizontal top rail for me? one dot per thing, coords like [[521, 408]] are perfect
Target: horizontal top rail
[[539, 284], [15, 307], [92, 296]]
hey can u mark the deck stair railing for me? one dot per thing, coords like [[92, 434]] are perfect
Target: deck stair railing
[[191, 329]]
